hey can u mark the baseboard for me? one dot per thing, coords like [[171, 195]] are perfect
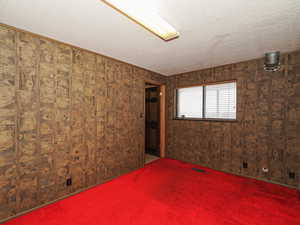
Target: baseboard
[[247, 176], [262, 179]]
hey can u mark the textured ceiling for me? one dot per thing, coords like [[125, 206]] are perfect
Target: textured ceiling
[[213, 32]]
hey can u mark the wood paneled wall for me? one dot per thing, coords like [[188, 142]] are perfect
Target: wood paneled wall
[[267, 131], [70, 113], [64, 113]]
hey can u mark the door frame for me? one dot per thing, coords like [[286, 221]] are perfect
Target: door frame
[[162, 116]]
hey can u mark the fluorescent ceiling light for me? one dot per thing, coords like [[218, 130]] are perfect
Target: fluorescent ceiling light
[[137, 11]]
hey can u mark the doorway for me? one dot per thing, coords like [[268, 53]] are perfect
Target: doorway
[[154, 121]]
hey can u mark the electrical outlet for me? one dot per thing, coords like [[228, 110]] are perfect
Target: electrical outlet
[[292, 175], [69, 182], [245, 165]]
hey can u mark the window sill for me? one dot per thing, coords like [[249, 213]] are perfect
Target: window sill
[[207, 120]]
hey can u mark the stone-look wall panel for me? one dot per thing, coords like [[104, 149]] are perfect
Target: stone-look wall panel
[[29, 159], [64, 113], [267, 131], [8, 170], [292, 125]]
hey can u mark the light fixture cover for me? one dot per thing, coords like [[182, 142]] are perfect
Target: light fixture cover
[[137, 11]]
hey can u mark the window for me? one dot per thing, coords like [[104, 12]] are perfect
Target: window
[[217, 101], [190, 102]]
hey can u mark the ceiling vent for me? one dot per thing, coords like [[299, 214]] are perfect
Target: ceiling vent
[[272, 61]]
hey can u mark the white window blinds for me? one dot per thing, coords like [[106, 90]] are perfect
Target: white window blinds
[[220, 101], [190, 102], [217, 101]]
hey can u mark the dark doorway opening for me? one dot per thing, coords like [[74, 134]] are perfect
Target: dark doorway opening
[[152, 122]]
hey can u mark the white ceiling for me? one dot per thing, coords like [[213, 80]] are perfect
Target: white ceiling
[[213, 32]]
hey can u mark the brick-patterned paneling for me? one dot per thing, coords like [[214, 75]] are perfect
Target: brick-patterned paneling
[[267, 133], [64, 112]]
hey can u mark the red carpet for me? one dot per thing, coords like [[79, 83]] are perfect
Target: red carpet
[[170, 192]]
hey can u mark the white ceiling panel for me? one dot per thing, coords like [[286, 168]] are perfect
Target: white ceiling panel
[[212, 32]]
